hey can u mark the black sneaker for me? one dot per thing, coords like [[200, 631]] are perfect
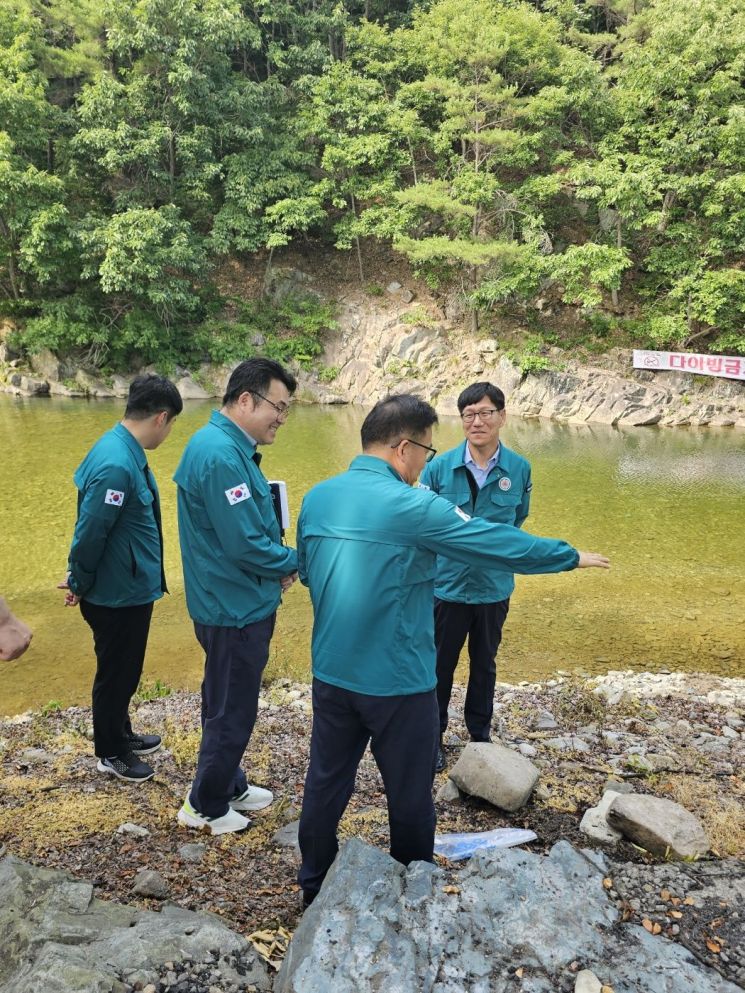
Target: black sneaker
[[440, 764], [126, 766], [143, 744], [308, 898]]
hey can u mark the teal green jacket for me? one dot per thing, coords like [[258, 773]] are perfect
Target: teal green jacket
[[230, 542], [115, 557], [504, 498], [367, 545]]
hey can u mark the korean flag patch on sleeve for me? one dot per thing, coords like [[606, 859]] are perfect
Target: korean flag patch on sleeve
[[236, 494], [114, 497]]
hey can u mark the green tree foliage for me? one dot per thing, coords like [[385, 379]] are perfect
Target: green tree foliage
[[502, 146]]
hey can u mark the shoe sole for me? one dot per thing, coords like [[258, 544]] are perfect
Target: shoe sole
[[259, 805], [197, 823], [146, 751], [119, 775]]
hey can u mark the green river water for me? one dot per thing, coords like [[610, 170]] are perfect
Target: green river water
[[665, 505]]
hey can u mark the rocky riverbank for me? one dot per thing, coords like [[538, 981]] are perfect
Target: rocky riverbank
[[400, 340], [678, 738]]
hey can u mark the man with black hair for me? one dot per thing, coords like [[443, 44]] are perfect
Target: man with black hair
[[115, 567], [235, 570], [485, 479], [367, 544]]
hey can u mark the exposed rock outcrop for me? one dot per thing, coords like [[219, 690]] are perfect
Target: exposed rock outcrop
[[511, 915], [58, 938]]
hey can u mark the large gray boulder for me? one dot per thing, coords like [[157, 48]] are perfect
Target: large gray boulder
[[661, 826], [190, 389], [377, 925], [495, 773], [55, 937], [46, 365]]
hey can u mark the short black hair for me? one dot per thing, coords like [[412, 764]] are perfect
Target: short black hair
[[395, 417], [476, 392], [255, 376], [151, 394]]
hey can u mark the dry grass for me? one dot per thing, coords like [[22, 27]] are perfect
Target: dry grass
[[63, 818], [722, 815]]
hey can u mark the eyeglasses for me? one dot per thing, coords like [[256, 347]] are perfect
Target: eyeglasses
[[431, 451], [486, 414], [283, 409]]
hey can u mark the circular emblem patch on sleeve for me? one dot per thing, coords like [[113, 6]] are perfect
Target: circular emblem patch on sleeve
[[505, 483]]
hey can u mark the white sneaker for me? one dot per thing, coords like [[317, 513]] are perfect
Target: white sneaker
[[254, 798], [232, 821]]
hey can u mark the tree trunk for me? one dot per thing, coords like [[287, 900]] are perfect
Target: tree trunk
[[357, 237], [12, 275], [171, 161], [619, 245], [267, 272]]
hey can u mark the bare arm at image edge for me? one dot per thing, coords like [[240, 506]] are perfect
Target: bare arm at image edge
[[15, 636]]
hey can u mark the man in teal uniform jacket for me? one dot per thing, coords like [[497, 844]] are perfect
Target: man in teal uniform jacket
[[367, 543], [115, 567], [484, 478], [235, 569]]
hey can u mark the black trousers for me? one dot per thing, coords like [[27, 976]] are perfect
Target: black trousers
[[235, 659], [119, 640], [402, 731], [482, 624]]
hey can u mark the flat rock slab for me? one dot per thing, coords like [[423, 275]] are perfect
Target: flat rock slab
[[661, 826], [377, 925], [55, 937], [495, 773]]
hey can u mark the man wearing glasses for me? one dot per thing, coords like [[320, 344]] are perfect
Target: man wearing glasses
[[485, 479], [235, 570], [367, 543]]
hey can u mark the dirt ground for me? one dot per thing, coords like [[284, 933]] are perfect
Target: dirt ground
[[57, 811]]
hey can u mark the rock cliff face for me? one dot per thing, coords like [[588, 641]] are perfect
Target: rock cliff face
[[390, 344], [378, 350]]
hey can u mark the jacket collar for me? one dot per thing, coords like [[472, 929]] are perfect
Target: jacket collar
[[132, 444], [371, 463], [245, 443]]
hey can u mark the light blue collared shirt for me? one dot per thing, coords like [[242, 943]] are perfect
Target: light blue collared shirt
[[476, 471]]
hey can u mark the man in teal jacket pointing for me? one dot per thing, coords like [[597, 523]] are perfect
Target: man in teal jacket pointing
[[235, 569], [367, 543]]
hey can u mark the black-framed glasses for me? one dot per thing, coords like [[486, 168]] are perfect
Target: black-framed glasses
[[283, 409], [486, 414], [431, 452]]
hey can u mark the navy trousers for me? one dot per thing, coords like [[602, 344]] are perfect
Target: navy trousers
[[482, 624], [402, 731], [119, 640], [235, 660]]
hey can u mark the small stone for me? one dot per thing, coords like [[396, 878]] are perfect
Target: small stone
[[587, 982], [150, 883], [527, 750], [729, 732], [287, 836], [448, 792], [192, 852], [135, 829], [546, 722]]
